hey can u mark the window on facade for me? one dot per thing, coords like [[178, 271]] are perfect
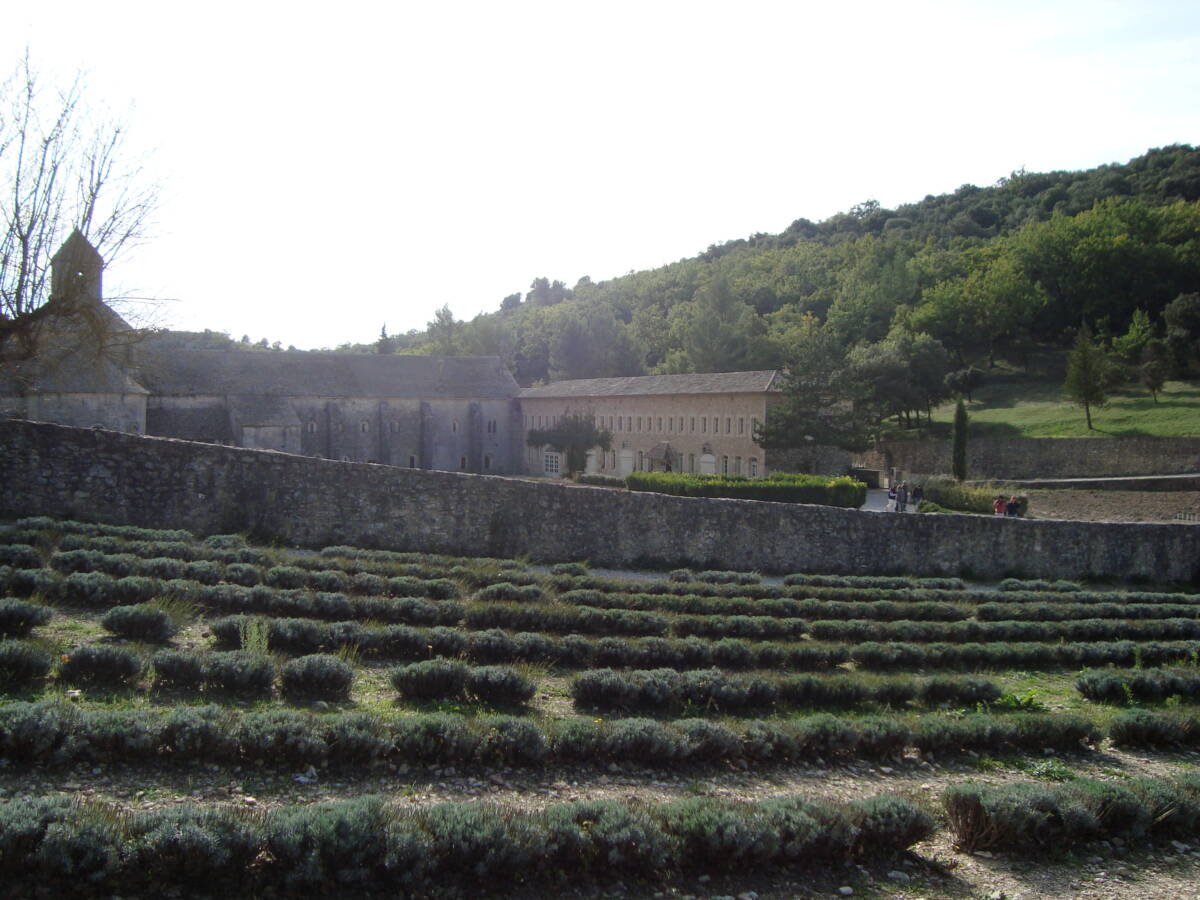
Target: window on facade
[[487, 462], [412, 462], [552, 464], [365, 426], [724, 465], [693, 428], [462, 463], [311, 427], [670, 425], [691, 462], [681, 424], [741, 425], [737, 465], [728, 425], [703, 424], [659, 424], [753, 467], [753, 425], [639, 423], [454, 426], [641, 461], [395, 427]]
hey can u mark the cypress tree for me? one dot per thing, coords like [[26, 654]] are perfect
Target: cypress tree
[[958, 460]]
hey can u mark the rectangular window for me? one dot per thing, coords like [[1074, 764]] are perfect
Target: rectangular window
[[691, 462], [724, 465], [660, 424], [551, 463], [671, 424], [681, 424], [703, 424], [753, 467], [741, 425], [693, 429], [728, 425], [737, 465], [753, 425]]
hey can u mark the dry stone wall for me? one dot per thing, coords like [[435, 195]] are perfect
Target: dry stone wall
[[1026, 458], [156, 482]]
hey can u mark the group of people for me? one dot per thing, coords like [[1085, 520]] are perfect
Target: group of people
[[1009, 507], [900, 495]]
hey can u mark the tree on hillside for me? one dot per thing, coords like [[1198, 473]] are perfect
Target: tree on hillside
[[1182, 316], [574, 434], [1089, 374], [958, 443], [61, 169], [444, 332]]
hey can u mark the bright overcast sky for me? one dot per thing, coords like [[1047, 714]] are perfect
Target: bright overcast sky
[[327, 168]]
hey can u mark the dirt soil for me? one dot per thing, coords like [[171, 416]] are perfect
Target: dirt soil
[[1178, 507]]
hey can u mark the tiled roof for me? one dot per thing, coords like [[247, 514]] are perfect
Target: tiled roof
[[642, 385], [297, 374]]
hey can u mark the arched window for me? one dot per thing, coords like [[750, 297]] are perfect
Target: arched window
[[454, 426], [311, 427], [365, 426]]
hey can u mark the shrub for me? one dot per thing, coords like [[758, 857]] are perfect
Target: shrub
[[600, 836], [287, 577], [500, 685], [433, 679], [284, 736], [243, 574], [511, 593], [164, 567], [709, 833], [20, 556], [239, 672], [141, 622], [100, 664], [779, 487], [890, 823], [21, 663], [476, 843], [178, 669], [511, 740], [334, 842], [317, 677], [1144, 728], [199, 733], [191, 845], [567, 568], [204, 571], [19, 617]]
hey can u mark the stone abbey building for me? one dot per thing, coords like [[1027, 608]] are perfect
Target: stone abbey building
[[90, 369]]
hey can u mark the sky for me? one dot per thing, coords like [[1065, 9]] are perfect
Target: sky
[[328, 169]]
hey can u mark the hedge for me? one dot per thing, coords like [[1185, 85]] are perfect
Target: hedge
[[369, 843], [713, 692], [1038, 818], [1109, 686], [780, 487], [899, 656], [974, 498]]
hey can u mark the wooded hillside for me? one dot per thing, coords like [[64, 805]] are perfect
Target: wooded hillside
[[974, 274]]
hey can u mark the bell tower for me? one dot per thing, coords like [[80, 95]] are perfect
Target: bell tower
[[77, 271]]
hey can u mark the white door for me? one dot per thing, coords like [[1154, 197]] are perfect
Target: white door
[[708, 464], [624, 462]]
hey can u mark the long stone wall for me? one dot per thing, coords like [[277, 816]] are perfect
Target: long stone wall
[[1025, 458], [155, 482]]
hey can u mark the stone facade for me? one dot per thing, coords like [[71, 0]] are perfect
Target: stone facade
[[111, 477], [682, 423]]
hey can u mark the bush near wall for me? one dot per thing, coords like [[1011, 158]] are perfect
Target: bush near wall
[[972, 498], [781, 488]]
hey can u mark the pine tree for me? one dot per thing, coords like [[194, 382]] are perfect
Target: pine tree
[[958, 460]]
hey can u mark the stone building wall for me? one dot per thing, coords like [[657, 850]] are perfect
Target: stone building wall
[[111, 477]]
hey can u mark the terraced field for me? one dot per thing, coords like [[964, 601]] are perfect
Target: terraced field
[[204, 715]]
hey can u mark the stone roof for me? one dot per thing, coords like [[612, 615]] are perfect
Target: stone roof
[[642, 385], [67, 371], [299, 374]]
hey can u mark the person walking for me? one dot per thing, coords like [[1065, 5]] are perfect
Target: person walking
[[902, 497], [998, 506]]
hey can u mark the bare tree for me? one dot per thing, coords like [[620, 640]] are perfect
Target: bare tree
[[61, 170]]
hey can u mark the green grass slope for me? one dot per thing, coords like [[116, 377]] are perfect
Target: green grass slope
[[1020, 404]]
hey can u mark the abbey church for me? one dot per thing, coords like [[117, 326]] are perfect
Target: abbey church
[[91, 369]]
